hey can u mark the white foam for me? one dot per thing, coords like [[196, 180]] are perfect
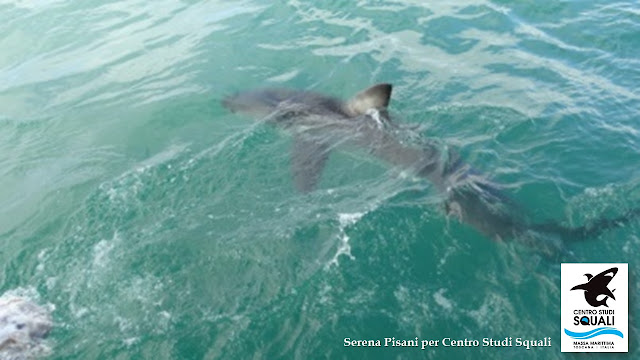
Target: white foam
[[23, 325], [103, 249], [441, 300], [375, 115], [607, 190], [345, 219]]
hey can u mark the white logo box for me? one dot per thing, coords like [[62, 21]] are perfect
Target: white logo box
[[594, 313]]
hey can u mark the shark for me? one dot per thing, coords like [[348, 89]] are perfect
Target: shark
[[320, 123], [597, 286]]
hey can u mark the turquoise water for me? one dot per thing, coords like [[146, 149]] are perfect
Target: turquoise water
[[161, 226]]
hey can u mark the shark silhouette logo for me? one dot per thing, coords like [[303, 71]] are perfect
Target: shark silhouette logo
[[597, 286]]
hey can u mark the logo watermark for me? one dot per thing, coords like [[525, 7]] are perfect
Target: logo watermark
[[595, 308]]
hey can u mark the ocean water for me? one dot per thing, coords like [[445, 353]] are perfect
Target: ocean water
[[161, 226]]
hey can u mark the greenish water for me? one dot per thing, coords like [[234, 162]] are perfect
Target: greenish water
[[161, 226]]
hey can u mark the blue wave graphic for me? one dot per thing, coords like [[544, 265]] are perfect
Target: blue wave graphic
[[594, 333]]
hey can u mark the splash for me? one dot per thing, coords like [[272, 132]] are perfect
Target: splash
[[345, 220], [24, 326]]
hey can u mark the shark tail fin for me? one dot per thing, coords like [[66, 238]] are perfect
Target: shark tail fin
[[375, 97], [591, 230]]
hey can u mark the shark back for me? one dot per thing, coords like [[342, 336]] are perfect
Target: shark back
[[288, 103], [282, 103], [317, 122]]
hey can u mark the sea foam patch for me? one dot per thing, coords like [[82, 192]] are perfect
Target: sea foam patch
[[24, 326]]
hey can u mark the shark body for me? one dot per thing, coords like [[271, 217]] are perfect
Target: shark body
[[597, 286], [320, 123]]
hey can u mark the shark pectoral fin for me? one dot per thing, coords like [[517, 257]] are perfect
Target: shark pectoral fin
[[308, 158], [608, 293], [375, 97]]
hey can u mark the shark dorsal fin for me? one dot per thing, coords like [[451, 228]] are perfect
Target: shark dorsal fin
[[375, 97]]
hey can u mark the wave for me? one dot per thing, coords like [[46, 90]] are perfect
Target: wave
[[594, 333]]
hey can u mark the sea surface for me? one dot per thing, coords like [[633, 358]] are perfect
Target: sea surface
[[161, 226]]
